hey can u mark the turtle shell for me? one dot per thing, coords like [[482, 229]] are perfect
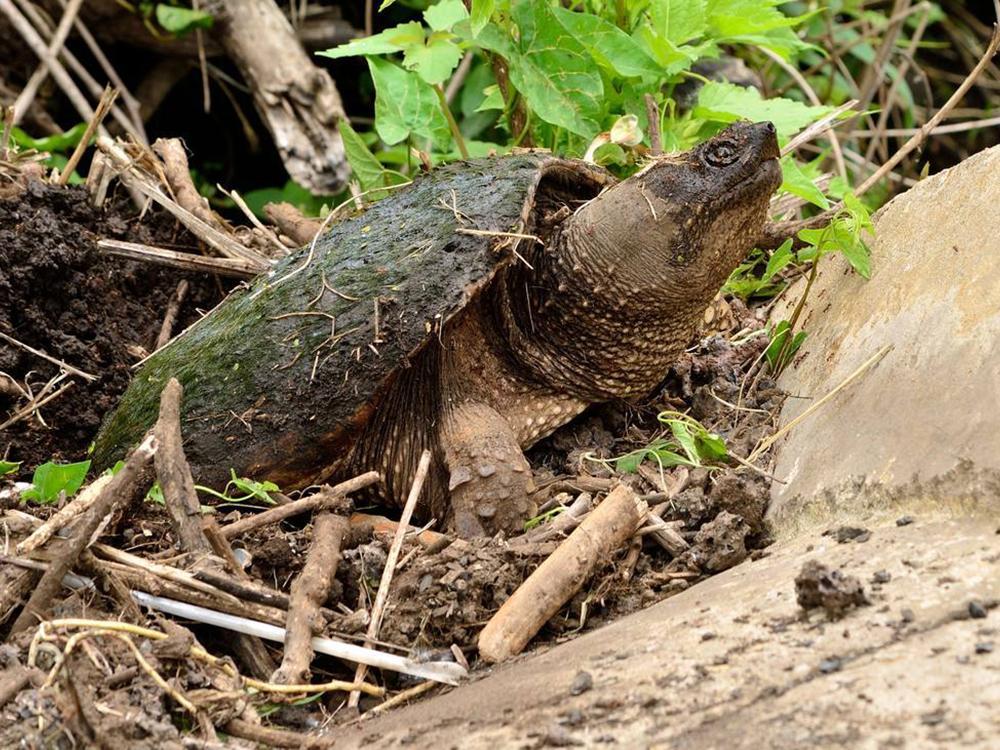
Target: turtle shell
[[279, 379]]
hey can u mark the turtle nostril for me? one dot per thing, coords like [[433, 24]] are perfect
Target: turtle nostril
[[769, 127]]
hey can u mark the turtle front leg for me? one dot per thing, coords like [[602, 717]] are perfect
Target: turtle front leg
[[489, 477]]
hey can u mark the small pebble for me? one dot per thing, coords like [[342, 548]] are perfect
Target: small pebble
[[984, 648], [907, 615], [882, 576], [828, 666], [581, 683], [976, 610], [905, 520]]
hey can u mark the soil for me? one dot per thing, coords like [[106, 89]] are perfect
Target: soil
[[60, 294]]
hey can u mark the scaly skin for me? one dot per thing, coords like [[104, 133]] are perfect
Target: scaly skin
[[600, 313]]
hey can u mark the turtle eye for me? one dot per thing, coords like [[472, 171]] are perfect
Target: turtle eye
[[721, 154]]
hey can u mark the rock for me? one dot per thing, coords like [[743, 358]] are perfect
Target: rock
[[919, 428], [818, 586], [582, 682], [721, 543]]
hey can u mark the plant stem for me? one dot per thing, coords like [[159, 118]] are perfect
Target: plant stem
[[796, 313], [455, 132]]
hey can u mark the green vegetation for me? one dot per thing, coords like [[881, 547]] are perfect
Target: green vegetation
[[689, 443], [51, 481]]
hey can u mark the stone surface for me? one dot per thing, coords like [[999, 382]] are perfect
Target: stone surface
[[906, 671], [922, 423]]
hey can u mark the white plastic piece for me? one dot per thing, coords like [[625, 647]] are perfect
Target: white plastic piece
[[439, 671]]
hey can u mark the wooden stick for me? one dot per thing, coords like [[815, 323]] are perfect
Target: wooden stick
[[232, 267], [292, 223], [178, 174], [653, 115], [309, 591], [79, 505], [133, 178], [66, 551], [326, 499], [563, 573], [273, 737], [38, 353], [55, 44], [383, 525], [173, 310], [175, 476], [103, 107], [382, 597]]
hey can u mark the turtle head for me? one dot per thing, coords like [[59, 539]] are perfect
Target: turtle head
[[678, 228], [711, 201]]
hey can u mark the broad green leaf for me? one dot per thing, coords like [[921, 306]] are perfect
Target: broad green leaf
[[435, 60], [678, 21], [630, 462], [711, 447], [682, 434], [366, 167], [396, 39], [445, 14], [755, 22], [50, 144], [178, 20], [554, 71], [9, 467], [404, 104], [611, 47], [727, 102], [492, 99], [671, 57], [797, 182], [779, 259], [482, 11], [50, 479], [610, 153]]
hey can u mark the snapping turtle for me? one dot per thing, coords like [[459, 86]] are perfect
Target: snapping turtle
[[471, 313]]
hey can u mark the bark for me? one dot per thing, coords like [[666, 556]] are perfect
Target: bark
[[296, 99], [563, 573]]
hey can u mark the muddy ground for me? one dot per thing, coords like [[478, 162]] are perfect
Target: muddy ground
[[59, 294]]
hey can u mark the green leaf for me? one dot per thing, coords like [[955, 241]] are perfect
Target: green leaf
[[797, 182], [50, 144], [391, 40], [727, 102], [9, 467], [445, 14], [366, 167], [630, 462], [435, 60], [482, 11], [610, 47], [404, 104], [678, 21], [610, 153], [779, 259], [50, 479], [492, 99], [554, 72], [682, 434], [178, 20]]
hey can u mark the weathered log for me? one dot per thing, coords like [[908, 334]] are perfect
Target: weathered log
[[296, 99]]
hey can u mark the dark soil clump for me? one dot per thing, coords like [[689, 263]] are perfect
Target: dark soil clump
[[60, 294]]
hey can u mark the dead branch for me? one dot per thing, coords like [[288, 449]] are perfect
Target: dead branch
[[328, 498], [296, 99], [64, 552], [232, 267], [309, 591], [383, 525], [38, 353], [173, 310], [61, 518], [103, 106], [292, 223], [175, 167], [382, 597], [272, 737], [175, 476], [563, 573]]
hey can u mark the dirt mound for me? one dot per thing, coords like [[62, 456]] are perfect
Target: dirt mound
[[61, 295]]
